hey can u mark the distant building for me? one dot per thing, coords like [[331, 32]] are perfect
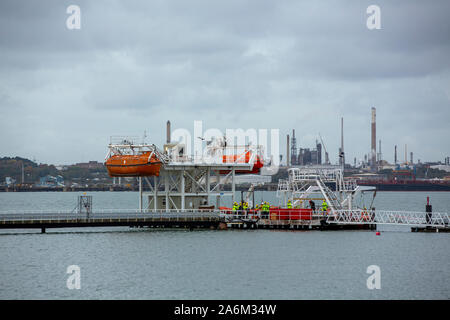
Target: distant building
[[386, 166], [443, 167], [51, 181], [310, 157], [9, 181], [90, 165]]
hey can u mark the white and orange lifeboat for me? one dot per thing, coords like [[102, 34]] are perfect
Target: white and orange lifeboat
[[133, 165], [243, 158]]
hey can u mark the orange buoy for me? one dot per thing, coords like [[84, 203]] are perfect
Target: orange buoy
[[378, 233]]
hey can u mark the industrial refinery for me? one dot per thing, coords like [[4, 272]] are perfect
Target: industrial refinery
[[372, 169]]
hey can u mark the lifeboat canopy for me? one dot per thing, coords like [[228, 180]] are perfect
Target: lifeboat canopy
[[126, 159]]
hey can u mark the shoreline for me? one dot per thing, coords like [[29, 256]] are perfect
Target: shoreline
[[136, 189]]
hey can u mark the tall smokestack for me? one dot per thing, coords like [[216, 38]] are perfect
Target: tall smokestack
[[374, 139], [342, 142], [406, 152], [411, 157], [379, 151], [168, 131], [287, 151], [395, 154]]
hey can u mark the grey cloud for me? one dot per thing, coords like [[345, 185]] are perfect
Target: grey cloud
[[263, 64]]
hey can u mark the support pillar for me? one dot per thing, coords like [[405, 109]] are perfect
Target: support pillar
[[155, 192], [208, 183], [183, 197], [140, 194], [166, 188], [233, 185]]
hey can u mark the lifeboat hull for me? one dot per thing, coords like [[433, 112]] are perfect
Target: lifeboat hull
[[133, 165], [256, 166]]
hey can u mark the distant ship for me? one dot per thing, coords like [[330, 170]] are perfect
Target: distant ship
[[407, 185], [405, 180]]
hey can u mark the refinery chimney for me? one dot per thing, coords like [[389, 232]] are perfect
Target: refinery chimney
[[395, 154], [342, 154], [168, 132], [406, 152], [374, 139], [287, 151], [379, 152], [294, 158]]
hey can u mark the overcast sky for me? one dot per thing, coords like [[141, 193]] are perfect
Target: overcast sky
[[233, 64]]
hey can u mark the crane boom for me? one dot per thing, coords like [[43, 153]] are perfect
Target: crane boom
[[327, 160]]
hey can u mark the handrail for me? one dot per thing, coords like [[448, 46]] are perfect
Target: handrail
[[105, 214], [354, 216], [414, 218]]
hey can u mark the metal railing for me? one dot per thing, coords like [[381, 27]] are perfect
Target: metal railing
[[283, 187], [329, 195], [228, 214], [348, 185], [238, 155], [311, 174], [129, 147], [410, 218], [64, 215], [274, 215]]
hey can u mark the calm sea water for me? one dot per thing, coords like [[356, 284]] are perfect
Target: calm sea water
[[122, 263]]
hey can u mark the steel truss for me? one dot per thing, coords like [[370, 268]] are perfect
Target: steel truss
[[305, 181], [189, 182]]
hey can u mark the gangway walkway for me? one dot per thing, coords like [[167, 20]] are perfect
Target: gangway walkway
[[383, 217], [109, 218]]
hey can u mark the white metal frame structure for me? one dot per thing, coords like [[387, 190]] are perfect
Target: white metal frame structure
[[306, 181], [129, 146], [189, 182]]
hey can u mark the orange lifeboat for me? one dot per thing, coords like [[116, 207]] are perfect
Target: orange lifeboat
[[143, 164], [257, 165]]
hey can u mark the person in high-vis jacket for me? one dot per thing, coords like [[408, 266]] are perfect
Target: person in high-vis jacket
[[265, 210], [245, 208], [289, 204], [324, 206]]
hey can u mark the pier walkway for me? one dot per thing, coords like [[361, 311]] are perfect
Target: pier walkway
[[109, 218], [209, 218], [383, 217]]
